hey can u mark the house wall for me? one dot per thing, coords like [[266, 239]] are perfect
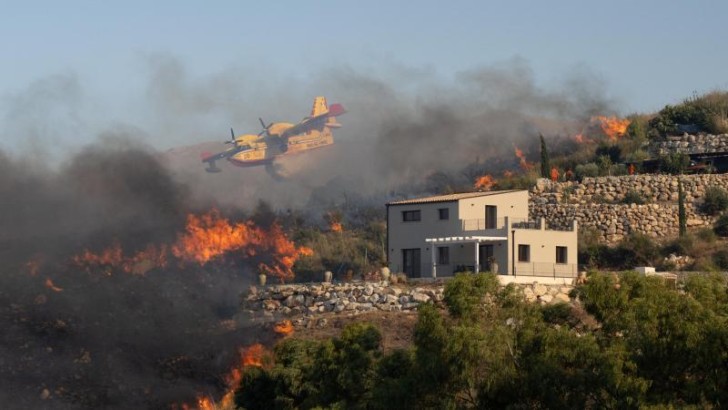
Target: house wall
[[543, 245], [511, 204], [412, 235]]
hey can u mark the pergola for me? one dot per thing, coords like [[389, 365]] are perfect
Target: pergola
[[460, 239]]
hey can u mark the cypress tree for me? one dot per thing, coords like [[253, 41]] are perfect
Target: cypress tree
[[682, 217], [545, 162]]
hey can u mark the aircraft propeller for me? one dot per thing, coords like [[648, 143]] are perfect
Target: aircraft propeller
[[265, 127], [232, 137]]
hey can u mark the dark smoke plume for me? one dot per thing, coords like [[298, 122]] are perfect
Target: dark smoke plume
[[130, 341], [105, 339]]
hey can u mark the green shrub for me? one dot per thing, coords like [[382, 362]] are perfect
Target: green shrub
[[633, 197], [715, 200], [721, 226], [586, 170], [675, 163], [708, 113], [720, 258], [618, 169]]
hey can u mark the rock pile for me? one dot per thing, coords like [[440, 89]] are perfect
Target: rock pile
[[318, 299]]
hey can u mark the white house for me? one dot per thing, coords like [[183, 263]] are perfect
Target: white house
[[476, 231]]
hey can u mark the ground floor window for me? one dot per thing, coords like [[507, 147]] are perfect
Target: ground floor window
[[561, 255], [524, 253]]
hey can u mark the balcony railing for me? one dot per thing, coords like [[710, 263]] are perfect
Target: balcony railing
[[522, 223], [516, 223], [483, 224], [545, 269]]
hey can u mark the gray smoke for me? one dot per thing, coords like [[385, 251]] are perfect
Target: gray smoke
[[155, 339], [403, 125]]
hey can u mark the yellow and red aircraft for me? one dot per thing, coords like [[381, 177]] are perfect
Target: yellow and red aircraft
[[280, 138]]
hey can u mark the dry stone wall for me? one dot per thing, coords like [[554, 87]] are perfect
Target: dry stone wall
[[354, 298], [595, 203], [691, 144]]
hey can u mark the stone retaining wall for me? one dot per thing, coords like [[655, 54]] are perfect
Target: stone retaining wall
[[691, 144], [322, 298], [595, 203]]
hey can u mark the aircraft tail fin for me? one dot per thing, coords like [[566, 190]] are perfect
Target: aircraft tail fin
[[319, 106]]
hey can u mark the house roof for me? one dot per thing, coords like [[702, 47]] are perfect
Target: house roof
[[449, 197]]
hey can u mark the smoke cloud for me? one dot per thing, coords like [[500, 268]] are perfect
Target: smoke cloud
[[72, 178]]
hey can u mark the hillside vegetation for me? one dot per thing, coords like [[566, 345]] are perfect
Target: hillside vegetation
[[631, 342]]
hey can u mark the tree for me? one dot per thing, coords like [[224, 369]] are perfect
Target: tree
[[545, 161], [682, 217]]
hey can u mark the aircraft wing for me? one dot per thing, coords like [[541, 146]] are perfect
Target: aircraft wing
[[312, 123]]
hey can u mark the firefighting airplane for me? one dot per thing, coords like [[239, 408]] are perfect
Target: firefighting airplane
[[280, 138]]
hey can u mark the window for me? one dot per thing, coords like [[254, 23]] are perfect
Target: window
[[444, 213], [443, 255], [491, 217], [561, 255], [411, 216], [524, 253]]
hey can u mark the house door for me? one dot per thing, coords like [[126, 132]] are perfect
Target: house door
[[491, 217], [411, 262], [485, 252]]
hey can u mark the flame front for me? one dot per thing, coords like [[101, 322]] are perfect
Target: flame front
[[484, 183], [205, 238], [210, 235], [613, 127]]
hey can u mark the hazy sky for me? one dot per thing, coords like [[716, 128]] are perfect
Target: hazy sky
[[648, 53]]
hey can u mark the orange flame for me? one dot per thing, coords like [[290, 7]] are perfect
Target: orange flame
[[524, 164], [336, 227], [49, 284], [113, 256], [508, 174], [284, 328], [210, 235], [554, 174], [253, 355], [613, 127], [484, 183], [205, 238]]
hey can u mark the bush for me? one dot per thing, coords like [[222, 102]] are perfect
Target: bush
[[633, 197], [586, 170], [721, 226], [720, 258], [715, 201], [708, 113], [618, 169], [675, 163]]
